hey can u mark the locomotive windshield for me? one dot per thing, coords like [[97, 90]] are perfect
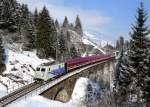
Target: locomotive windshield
[[43, 69], [38, 69]]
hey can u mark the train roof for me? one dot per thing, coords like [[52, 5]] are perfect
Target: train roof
[[50, 63]]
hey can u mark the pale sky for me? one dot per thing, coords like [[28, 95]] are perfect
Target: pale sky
[[108, 19]]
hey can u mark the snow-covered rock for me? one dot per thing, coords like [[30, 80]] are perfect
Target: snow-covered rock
[[85, 93]]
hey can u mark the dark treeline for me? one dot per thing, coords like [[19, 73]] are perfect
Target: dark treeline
[[121, 43], [133, 66], [38, 30]]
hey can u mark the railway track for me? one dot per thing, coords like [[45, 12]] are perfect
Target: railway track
[[4, 101]]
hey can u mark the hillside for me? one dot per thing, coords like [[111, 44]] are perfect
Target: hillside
[[20, 68], [20, 65]]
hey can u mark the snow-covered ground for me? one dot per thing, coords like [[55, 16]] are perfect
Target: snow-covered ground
[[93, 37], [88, 42], [20, 68], [85, 93], [89, 39], [3, 90], [39, 101]]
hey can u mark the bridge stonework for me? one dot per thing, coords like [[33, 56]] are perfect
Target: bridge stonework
[[102, 72]]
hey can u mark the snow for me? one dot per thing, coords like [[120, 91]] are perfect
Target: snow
[[24, 57], [22, 64], [20, 68], [85, 93], [89, 42], [93, 37], [39, 101], [3, 90]]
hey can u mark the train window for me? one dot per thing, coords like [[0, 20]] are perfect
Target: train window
[[49, 69], [38, 69], [43, 69]]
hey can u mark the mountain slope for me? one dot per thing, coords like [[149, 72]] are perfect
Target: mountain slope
[[82, 43], [20, 68]]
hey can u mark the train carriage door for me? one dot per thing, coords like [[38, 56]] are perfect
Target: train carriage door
[[66, 70]]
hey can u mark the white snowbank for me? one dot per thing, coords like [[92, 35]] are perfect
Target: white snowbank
[[20, 68], [22, 64], [3, 90], [85, 93], [39, 101], [25, 57]]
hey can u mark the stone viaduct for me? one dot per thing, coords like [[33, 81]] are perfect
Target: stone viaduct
[[102, 72]]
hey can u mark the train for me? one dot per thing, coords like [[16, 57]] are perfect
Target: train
[[45, 72]]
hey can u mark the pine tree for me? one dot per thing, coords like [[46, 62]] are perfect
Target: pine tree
[[126, 44], [138, 50], [117, 44], [9, 15], [35, 17], [121, 42], [65, 23], [62, 45], [146, 85], [78, 26], [68, 36], [71, 26], [73, 52], [57, 24], [2, 53], [122, 76], [30, 35], [24, 14], [27, 30], [1, 7], [46, 34]]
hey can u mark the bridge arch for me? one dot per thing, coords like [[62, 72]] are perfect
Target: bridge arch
[[61, 95]]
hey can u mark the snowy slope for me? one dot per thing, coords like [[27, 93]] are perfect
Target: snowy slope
[[93, 37], [20, 68], [88, 42], [39, 101], [84, 94], [22, 64], [86, 39]]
